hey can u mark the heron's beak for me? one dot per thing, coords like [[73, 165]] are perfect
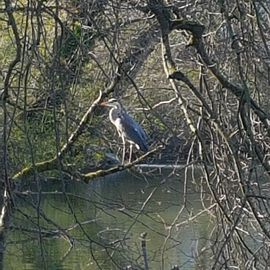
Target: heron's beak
[[104, 103]]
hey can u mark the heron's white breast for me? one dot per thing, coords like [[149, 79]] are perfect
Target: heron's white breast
[[119, 127]]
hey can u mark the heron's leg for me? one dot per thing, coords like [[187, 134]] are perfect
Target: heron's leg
[[124, 149], [130, 152]]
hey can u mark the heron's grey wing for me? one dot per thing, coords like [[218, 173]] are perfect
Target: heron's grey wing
[[134, 131]]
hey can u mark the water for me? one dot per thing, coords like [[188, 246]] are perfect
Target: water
[[112, 212]]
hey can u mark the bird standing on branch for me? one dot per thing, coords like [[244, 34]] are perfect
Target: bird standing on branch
[[128, 129]]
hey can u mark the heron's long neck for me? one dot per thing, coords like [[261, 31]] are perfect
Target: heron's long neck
[[114, 113]]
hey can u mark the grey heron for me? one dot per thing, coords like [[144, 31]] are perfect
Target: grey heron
[[127, 128]]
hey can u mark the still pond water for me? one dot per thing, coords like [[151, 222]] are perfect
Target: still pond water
[[112, 212]]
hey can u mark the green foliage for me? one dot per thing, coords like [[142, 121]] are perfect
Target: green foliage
[[73, 39], [33, 140], [159, 125]]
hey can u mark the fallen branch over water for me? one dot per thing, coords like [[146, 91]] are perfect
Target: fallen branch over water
[[90, 176]]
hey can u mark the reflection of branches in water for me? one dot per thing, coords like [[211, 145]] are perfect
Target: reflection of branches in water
[[46, 233]]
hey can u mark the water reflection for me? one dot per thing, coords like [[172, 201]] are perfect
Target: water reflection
[[112, 213]]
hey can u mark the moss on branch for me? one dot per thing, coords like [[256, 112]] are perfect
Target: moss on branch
[[46, 165]]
